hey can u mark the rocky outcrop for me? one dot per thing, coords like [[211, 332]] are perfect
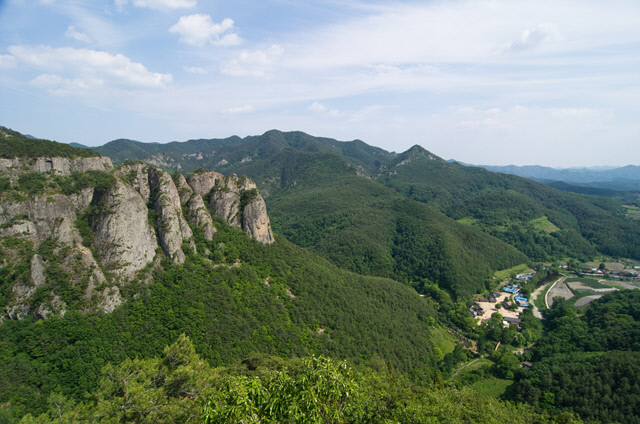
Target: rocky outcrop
[[237, 200], [255, 221], [124, 238], [54, 165], [197, 212], [136, 175], [96, 239], [172, 227], [203, 181]]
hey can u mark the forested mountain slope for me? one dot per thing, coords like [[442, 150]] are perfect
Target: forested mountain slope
[[233, 154], [324, 205], [542, 222], [208, 275]]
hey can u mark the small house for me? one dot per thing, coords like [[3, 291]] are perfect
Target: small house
[[512, 321]]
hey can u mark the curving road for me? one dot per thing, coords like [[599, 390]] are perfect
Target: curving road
[[536, 293]]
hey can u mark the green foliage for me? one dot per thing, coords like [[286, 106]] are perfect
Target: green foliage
[[277, 300], [33, 182], [179, 386], [16, 145], [320, 391], [588, 364], [99, 180], [361, 226], [541, 222]]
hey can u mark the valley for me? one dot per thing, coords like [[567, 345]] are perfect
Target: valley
[[244, 268]]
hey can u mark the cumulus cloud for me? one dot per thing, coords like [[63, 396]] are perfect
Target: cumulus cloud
[[532, 38], [85, 69], [199, 29], [77, 35], [257, 63], [159, 4]]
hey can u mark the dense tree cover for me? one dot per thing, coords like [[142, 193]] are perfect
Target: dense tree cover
[[16, 145], [241, 297], [242, 154], [364, 227], [588, 364], [541, 222], [180, 386]]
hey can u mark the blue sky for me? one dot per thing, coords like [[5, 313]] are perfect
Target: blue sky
[[554, 83]]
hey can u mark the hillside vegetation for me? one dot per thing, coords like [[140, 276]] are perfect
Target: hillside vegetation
[[177, 385], [508, 208], [15, 145], [588, 364], [364, 227], [278, 300], [504, 206]]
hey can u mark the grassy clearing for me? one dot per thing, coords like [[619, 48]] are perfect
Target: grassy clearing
[[443, 340], [543, 224], [467, 220], [506, 273], [491, 386]]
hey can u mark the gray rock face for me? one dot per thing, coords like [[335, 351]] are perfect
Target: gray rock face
[[226, 204], [54, 165], [101, 239], [124, 238], [172, 227], [203, 182], [137, 175], [197, 212], [255, 221]]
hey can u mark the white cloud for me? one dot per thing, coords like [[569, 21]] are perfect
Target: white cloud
[[198, 29], [257, 63], [238, 110], [85, 69], [317, 107], [530, 39], [320, 108], [159, 4], [194, 69], [76, 35]]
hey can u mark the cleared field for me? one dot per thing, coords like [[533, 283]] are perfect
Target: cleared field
[[494, 387], [443, 340], [543, 224], [559, 290]]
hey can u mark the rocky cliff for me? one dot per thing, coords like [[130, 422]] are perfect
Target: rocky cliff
[[73, 231]]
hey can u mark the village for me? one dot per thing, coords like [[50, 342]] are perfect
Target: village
[[508, 302]]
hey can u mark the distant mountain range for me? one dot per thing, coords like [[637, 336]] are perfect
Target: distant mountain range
[[626, 178]]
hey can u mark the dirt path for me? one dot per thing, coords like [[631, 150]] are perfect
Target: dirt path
[[536, 293], [463, 367], [562, 290]]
